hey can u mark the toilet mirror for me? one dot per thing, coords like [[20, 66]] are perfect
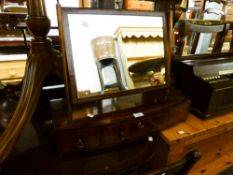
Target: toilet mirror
[[110, 52]]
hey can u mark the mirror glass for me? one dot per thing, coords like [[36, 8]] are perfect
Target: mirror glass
[[112, 51]]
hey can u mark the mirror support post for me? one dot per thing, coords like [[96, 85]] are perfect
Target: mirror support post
[[40, 55]]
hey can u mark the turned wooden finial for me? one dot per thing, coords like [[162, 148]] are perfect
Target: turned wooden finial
[[36, 8], [38, 22]]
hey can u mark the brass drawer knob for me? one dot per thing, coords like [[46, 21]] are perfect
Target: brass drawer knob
[[122, 135], [141, 125], [79, 144], [12, 73]]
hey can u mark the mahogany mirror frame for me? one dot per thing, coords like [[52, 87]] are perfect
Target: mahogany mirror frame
[[71, 88]]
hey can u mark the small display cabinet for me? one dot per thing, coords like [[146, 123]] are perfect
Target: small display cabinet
[[115, 102]]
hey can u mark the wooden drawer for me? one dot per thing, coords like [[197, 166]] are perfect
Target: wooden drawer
[[104, 136], [138, 5], [116, 129], [78, 140], [12, 70], [128, 131]]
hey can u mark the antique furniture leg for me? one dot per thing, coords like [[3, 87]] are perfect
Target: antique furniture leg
[[38, 66]]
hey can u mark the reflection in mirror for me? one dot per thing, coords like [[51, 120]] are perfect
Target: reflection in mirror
[[106, 61], [142, 53], [125, 52]]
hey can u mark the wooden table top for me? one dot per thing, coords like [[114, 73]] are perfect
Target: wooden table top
[[196, 129]]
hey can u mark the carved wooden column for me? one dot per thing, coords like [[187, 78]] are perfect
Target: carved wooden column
[[38, 66]]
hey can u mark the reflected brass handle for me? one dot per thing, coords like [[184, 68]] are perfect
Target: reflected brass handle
[[12, 73], [141, 125], [122, 135], [80, 144]]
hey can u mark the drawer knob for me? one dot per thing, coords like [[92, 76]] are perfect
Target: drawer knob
[[122, 135], [141, 125], [80, 144], [12, 73]]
